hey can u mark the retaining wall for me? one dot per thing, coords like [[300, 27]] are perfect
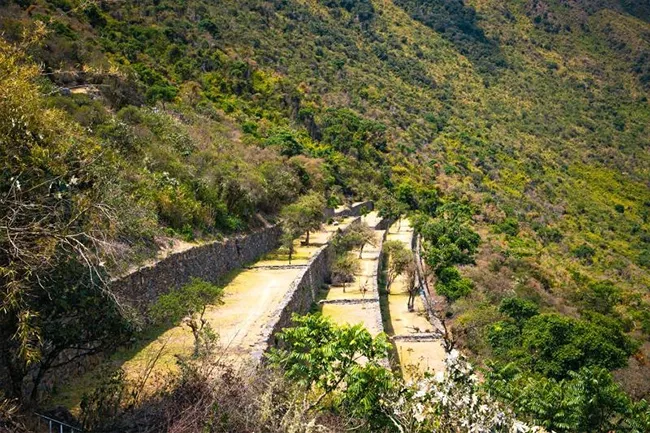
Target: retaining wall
[[425, 292], [376, 305], [302, 293], [210, 262]]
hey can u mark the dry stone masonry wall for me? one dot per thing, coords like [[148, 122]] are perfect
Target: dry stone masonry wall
[[211, 262], [299, 298]]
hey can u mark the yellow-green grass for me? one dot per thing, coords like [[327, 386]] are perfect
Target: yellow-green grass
[[251, 296], [412, 356]]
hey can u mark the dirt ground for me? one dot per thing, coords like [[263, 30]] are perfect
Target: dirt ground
[[250, 298], [413, 356], [360, 289]]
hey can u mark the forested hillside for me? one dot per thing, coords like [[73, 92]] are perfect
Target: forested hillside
[[128, 126]]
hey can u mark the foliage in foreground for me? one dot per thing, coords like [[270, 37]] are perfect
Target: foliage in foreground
[[60, 208], [452, 401], [587, 401], [343, 365], [330, 378]]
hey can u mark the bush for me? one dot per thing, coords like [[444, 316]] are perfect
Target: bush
[[323, 356], [584, 252], [518, 309], [587, 400], [510, 227], [455, 289], [189, 304], [556, 345]]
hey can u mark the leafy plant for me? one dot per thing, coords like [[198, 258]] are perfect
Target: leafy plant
[[398, 258], [344, 268], [343, 364], [305, 215], [188, 304]]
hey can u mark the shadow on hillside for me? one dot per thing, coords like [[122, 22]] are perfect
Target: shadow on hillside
[[458, 23]]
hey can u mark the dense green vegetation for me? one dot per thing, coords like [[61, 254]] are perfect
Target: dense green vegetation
[[516, 130]]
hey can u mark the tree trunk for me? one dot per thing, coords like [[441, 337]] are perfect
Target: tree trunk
[[411, 302], [307, 239], [361, 250], [197, 336], [43, 368], [16, 375]]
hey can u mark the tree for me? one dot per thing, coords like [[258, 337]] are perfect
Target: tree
[[452, 285], [390, 208], [448, 239], [519, 309], [304, 215], [600, 297], [55, 220], [188, 304], [399, 258], [556, 345], [344, 268], [357, 236], [412, 286], [286, 141], [161, 92], [289, 234], [328, 358], [588, 400]]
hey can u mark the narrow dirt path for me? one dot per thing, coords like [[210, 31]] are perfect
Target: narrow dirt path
[[418, 346], [359, 303]]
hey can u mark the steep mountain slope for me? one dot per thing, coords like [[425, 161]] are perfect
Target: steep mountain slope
[[534, 111]]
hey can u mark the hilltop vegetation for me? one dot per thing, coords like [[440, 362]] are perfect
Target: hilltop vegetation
[[517, 130]]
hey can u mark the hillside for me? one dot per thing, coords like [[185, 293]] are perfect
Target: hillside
[[194, 120]]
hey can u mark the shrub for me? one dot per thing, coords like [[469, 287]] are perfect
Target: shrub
[[455, 289], [510, 227], [518, 309], [557, 345], [323, 356], [584, 252], [587, 400], [189, 304], [344, 268]]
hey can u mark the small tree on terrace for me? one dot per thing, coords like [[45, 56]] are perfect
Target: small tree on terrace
[[399, 259], [344, 268], [287, 238], [390, 208], [189, 304], [411, 277], [358, 236], [305, 215]]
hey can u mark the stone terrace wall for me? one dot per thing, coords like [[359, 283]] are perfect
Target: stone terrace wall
[[374, 288], [210, 262], [299, 298], [354, 210]]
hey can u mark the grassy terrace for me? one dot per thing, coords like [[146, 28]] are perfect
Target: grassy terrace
[[399, 322], [251, 296], [360, 293]]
